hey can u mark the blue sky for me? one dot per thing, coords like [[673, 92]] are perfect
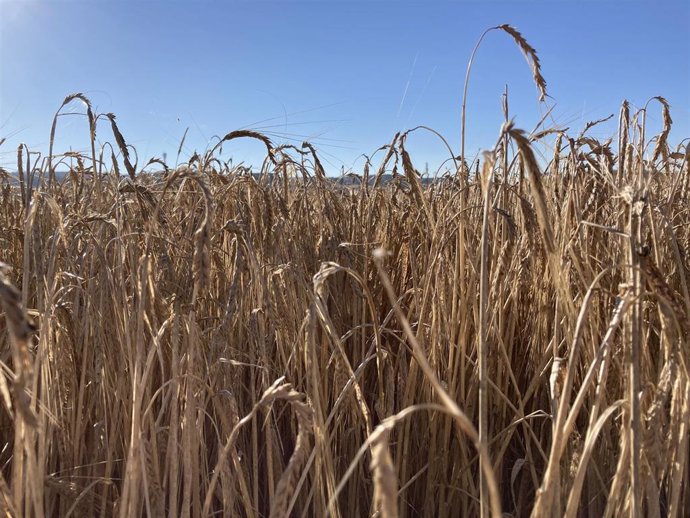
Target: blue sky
[[346, 75]]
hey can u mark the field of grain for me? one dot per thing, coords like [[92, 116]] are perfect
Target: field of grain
[[509, 340]]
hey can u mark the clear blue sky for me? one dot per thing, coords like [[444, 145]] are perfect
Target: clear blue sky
[[346, 75]]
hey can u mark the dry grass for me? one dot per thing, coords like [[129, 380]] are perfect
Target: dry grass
[[209, 343]]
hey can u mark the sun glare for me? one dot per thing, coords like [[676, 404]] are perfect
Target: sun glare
[[13, 12]]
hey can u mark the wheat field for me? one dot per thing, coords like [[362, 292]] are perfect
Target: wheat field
[[511, 339]]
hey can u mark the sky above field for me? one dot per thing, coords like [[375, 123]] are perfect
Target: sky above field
[[344, 75]]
